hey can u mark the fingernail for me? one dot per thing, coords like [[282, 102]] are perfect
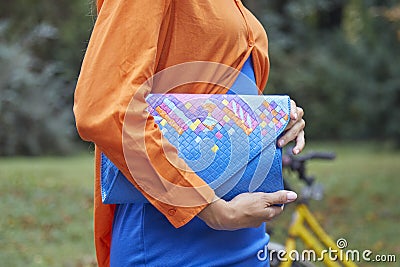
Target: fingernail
[[291, 196], [296, 151], [281, 143]]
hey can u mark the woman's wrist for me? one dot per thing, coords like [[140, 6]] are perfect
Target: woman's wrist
[[217, 214]]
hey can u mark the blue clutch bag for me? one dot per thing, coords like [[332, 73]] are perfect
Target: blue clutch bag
[[228, 140]]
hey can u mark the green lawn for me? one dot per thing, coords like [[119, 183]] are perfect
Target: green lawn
[[46, 205], [46, 208]]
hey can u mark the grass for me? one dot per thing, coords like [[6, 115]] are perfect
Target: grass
[[46, 211], [46, 205]]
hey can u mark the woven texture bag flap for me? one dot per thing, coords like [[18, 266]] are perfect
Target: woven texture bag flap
[[228, 140]]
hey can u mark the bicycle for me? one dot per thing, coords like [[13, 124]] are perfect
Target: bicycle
[[304, 225]]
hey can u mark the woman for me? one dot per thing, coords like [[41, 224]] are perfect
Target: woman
[[132, 40]]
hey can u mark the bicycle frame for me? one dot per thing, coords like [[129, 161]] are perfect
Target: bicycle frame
[[305, 227]]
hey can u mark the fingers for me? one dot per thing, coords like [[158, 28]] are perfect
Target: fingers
[[279, 197], [295, 129], [293, 110], [300, 143], [300, 113], [295, 116], [272, 212], [272, 200], [296, 132], [246, 210]]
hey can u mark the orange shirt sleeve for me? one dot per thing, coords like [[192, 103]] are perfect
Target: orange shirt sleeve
[[122, 54]]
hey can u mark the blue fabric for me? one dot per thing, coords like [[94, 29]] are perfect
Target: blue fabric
[[142, 236], [112, 177], [245, 83]]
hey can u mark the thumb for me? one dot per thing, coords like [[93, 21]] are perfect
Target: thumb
[[282, 197]]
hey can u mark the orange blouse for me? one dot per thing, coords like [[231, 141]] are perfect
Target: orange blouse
[[131, 41]]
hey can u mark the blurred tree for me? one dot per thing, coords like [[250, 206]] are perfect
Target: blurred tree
[[42, 44], [72, 19], [35, 113], [340, 60]]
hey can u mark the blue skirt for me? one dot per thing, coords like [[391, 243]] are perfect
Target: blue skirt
[[142, 236]]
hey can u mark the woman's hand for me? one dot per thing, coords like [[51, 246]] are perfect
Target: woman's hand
[[295, 129], [251, 209], [245, 210]]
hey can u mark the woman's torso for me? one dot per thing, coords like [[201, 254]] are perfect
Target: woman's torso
[[225, 32]]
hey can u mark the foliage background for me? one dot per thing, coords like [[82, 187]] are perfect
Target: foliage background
[[42, 44], [341, 61], [338, 59]]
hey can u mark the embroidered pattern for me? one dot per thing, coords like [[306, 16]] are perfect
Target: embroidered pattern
[[202, 113]]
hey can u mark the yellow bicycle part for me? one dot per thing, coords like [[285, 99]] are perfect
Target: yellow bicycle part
[[306, 228]]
